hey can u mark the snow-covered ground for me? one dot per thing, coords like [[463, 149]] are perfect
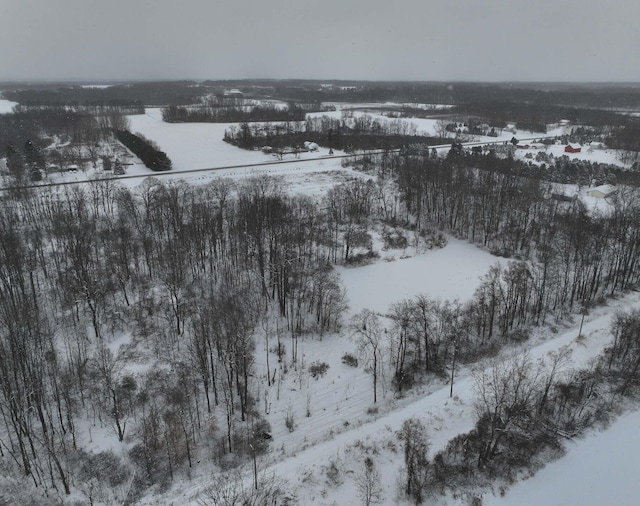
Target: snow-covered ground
[[191, 145], [341, 428], [600, 469], [452, 272], [446, 417], [341, 431], [96, 86], [607, 156], [6, 106], [342, 425]]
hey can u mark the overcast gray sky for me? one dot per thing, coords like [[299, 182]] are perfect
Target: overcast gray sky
[[488, 40]]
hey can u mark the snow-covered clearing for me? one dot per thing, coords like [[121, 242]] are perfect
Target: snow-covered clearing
[[191, 145], [452, 272]]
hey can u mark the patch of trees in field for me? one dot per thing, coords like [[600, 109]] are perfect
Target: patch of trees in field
[[558, 169], [39, 125], [513, 216], [348, 133], [534, 117], [144, 149], [627, 140]]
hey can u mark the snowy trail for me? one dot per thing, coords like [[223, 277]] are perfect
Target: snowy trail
[[444, 417]]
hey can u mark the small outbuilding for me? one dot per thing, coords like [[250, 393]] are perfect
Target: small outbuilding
[[602, 192], [572, 148]]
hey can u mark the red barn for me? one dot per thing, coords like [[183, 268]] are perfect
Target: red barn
[[572, 148]]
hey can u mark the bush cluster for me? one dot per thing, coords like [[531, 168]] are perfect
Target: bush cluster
[[318, 369], [350, 360]]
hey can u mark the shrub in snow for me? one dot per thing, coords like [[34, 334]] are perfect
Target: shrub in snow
[[289, 420], [318, 369], [350, 360], [334, 473]]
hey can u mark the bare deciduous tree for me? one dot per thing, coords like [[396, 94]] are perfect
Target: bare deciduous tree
[[368, 484], [416, 446], [232, 490], [368, 334]]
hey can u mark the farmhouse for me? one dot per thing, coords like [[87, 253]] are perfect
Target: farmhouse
[[233, 93], [572, 148]]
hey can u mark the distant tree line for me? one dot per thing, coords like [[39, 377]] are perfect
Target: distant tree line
[[627, 138], [237, 114], [144, 149], [118, 95], [463, 94]]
